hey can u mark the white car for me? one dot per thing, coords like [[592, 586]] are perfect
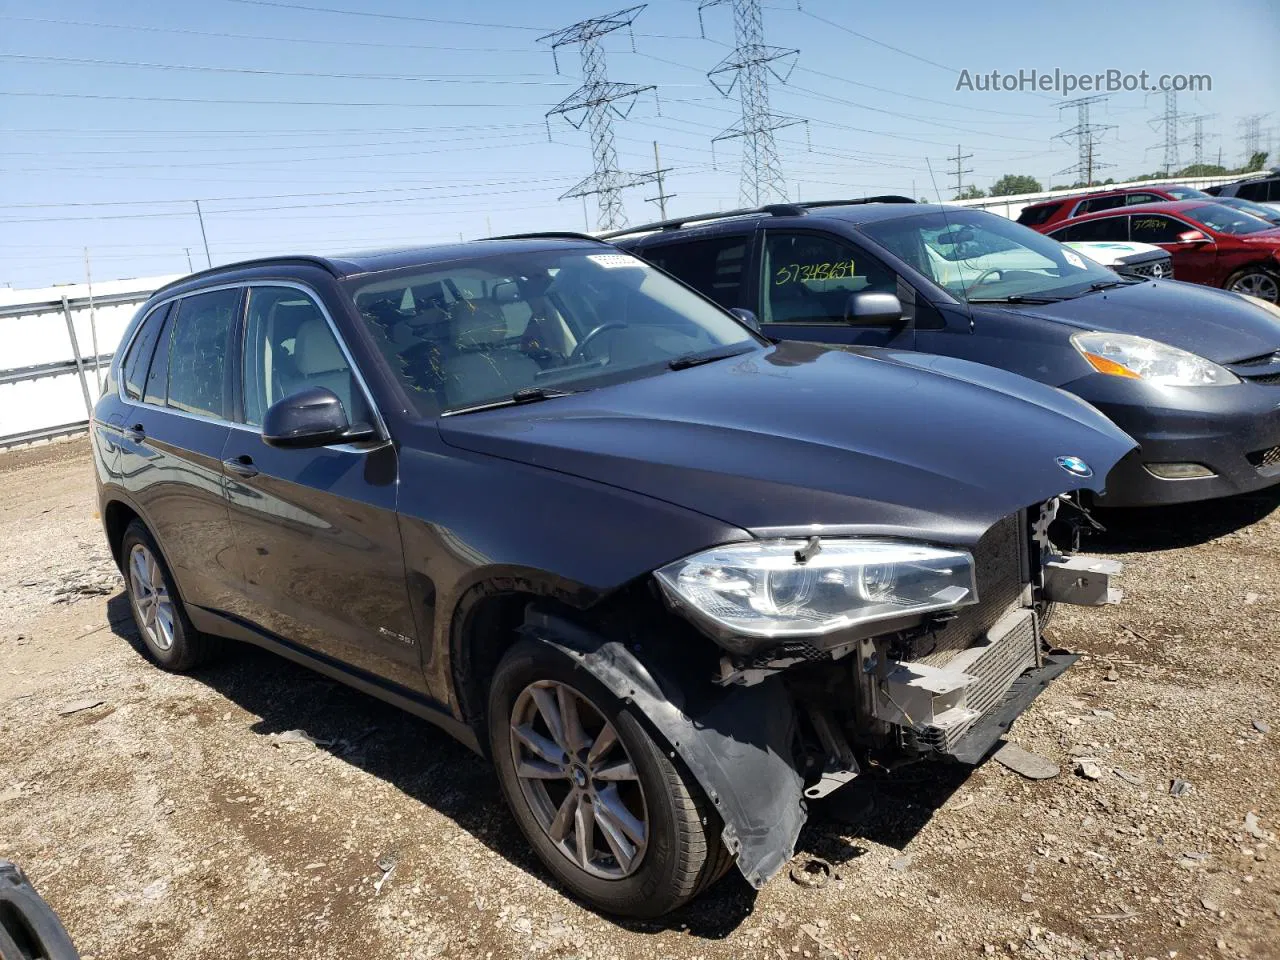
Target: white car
[[1128, 258]]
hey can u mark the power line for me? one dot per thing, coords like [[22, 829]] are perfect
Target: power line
[[269, 103], [749, 66], [385, 16], [596, 104], [306, 74]]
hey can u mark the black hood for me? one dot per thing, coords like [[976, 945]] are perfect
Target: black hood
[[1220, 326], [869, 441]]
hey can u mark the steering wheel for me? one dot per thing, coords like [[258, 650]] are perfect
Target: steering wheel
[[579, 353], [982, 278]]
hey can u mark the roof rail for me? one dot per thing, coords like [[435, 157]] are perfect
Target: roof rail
[[549, 235], [321, 262], [769, 209]]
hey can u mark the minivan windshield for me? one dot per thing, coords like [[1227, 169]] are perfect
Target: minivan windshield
[[982, 257], [525, 326]]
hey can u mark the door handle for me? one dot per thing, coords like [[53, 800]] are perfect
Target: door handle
[[136, 433], [241, 466]]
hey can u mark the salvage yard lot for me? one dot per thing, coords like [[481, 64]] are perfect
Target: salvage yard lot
[[183, 817]]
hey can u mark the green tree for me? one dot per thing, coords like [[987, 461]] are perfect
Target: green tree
[[970, 193], [1012, 183], [1256, 162]]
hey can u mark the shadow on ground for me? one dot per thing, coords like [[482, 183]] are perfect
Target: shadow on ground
[[431, 767], [1144, 529]]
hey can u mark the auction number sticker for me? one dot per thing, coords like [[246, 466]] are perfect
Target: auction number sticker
[[799, 272], [611, 261]]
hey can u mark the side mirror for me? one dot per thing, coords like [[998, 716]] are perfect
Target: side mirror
[[873, 309], [746, 316], [312, 417], [1192, 236]]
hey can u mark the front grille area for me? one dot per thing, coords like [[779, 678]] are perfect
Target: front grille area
[[1265, 459], [998, 558], [1267, 378], [1158, 269]]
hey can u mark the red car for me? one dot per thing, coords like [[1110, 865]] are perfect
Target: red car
[[1210, 243], [1049, 213]]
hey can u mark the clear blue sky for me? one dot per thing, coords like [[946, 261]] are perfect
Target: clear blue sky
[[454, 142]]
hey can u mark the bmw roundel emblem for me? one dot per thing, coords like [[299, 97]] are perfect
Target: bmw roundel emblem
[[1075, 466]]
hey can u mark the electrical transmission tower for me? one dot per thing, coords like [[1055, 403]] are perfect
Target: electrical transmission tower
[[961, 170], [1086, 135], [596, 104], [1251, 134], [1169, 121], [1198, 136], [748, 68]]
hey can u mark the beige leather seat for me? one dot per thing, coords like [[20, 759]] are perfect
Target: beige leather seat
[[480, 365], [318, 362]]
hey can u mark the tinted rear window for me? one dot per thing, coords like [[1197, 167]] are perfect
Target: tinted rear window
[[134, 370], [1034, 216], [198, 352]]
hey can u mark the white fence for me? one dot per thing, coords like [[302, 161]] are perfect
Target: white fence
[[55, 346]]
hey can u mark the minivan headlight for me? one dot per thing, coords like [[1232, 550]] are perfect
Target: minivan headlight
[[1124, 355], [783, 588]]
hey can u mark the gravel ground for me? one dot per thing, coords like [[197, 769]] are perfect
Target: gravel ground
[[178, 817]]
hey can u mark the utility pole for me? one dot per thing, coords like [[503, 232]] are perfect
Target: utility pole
[[1198, 137], [658, 171], [93, 323], [190, 268], [961, 170], [1086, 135], [203, 236], [596, 104], [748, 67], [1169, 121]]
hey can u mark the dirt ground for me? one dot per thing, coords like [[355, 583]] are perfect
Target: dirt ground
[[170, 819]]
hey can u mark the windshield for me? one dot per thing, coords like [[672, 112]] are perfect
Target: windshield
[[472, 332], [1185, 193], [980, 256], [1251, 208], [1227, 220]]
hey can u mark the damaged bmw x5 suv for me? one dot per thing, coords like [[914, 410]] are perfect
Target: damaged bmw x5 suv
[[675, 580]]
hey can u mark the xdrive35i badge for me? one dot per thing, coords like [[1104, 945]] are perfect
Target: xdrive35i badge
[[1075, 466]]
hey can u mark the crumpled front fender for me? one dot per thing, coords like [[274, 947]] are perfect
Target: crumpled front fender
[[736, 741]]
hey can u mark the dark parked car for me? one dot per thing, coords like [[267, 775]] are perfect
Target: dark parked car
[[1210, 243], [1260, 188], [671, 577], [1049, 213], [1193, 374]]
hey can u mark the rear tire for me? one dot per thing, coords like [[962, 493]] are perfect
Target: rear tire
[[1256, 282], [158, 612], [679, 854]]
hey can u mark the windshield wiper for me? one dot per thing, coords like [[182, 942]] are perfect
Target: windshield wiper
[[521, 396], [684, 361], [1017, 298]]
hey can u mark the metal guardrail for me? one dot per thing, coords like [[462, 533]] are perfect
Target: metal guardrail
[[79, 364]]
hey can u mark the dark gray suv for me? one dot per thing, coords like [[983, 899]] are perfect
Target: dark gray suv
[[672, 578]]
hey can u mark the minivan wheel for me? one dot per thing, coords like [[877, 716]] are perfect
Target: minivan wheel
[[162, 622], [612, 816], [1256, 282]]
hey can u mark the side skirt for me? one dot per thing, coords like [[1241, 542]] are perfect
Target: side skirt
[[217, 624]]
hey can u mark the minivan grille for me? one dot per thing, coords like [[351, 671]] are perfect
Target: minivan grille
[[1160, 268], [1265, 459]]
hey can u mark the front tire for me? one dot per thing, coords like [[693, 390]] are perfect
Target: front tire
[[166, 631], [1256, 282], [614, 818]]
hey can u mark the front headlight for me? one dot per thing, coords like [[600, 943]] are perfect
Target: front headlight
[[763, 589], [1124, 355]]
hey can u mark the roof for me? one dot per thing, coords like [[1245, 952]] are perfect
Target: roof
[[373, 261], [1164, 206]]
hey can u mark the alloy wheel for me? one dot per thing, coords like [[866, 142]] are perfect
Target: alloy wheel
[[578, 780], [152, 604], [1260, 285]]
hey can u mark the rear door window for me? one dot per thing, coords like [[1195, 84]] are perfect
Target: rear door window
[[1155, 228], [1034, 216], [1105, 229], [1133, 199], [715, 268], [1094, 204], [198, 352], [134, 369], [1257, 191]]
